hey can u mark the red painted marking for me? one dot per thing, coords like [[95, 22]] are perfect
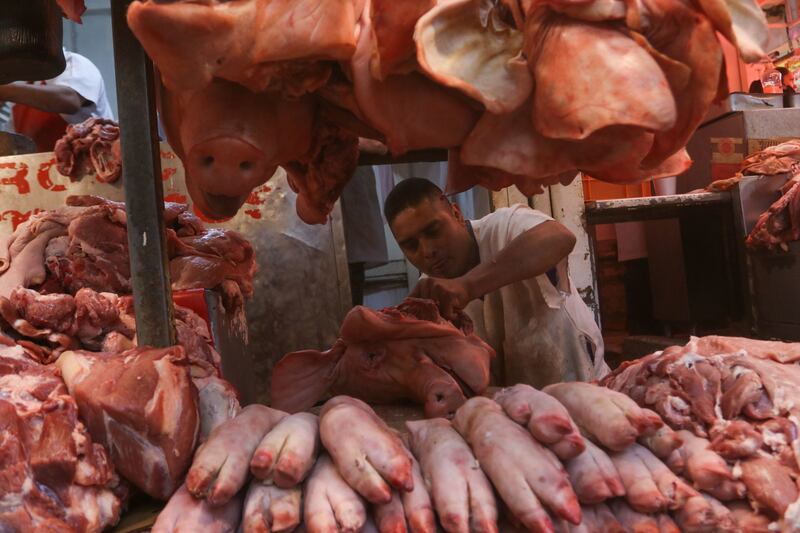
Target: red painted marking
[[253, 199], [167, 173], [255, 213], [176, 197], [18, 217], [43, 177], [205, 218], [18, 179]]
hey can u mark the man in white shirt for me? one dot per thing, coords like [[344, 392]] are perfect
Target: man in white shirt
[[42, 110], [508, 272]]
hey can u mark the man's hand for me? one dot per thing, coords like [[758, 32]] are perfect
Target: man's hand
[[451, 295]]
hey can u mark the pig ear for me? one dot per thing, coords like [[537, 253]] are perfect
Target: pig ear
[[301, 379]]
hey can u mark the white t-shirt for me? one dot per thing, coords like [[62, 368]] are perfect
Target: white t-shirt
[[82, 76], [541, 331]]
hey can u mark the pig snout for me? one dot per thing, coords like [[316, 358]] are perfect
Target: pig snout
[[224, 170], [442, 398]]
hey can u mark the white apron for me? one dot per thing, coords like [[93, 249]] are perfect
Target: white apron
[[542, 333]]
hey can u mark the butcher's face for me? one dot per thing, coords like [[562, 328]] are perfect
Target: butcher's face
[[434, 237]]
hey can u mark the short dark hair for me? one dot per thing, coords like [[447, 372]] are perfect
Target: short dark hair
[[784, 71], [409, 193]]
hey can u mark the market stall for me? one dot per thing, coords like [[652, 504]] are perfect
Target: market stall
[[141, 319]]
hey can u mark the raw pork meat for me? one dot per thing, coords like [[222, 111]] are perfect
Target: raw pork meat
[[773, 159], [268, 508], [587, 104], [319, 176], [593, 476], [85, 244], [611, 419], [662, 443], [769, 484], [54, 477], [735, 392], [708, 471], [418, 74], [545, 417], [522, 470], [462, 495], [186, 514], [142, 406], [404, 352], [243, 42], [598, 519], [410, 511], [230, 149], [287, 452], [649, 485], [393, 24], [369, 456], [221, 465], [782, 352], [410, 110], [217, 400], [94, 321], [735, 440], [91, 146], [633, 520], [780, 224], [329, 502], [479, 55]]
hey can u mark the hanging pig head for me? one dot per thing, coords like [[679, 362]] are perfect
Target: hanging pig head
[[232, 140], [236, 94], [408, 352]]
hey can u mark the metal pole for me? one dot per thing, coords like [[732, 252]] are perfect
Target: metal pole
[[144, 194]]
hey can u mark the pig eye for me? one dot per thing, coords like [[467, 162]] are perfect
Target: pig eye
[[208, 160], [245, 165], [372, 355]]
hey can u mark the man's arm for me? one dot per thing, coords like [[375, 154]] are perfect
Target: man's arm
[[530, 254], [48, 98]]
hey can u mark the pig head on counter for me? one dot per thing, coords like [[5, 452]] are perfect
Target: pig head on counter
[[408, 352]]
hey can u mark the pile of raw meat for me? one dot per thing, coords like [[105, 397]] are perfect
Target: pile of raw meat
[[520, 92], [773, 159], [733, 404], [574, 457], [55, 477], [85, 245], [75, 434], [91, 147], [780, 224], [408, 352], [49, 324]]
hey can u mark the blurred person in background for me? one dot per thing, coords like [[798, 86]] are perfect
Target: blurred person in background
[[42, 110]]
